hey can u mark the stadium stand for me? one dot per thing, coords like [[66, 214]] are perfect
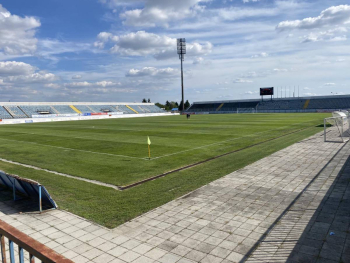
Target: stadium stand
[[15, 112], [128, 109], [101, 108], [4, 114], [153, 108], [37, 109], [26, 110], [83, 108], [63, 109], [302, 104]]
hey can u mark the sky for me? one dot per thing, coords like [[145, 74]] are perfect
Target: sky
[[125, 50]]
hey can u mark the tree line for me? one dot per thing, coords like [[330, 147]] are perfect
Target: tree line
[[169, 105]]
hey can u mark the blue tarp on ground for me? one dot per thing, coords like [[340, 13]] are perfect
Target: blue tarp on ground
[[28, 188]]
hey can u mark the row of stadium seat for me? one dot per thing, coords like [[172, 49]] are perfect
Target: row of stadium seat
[[295, 104], [230, 106], [25, 111]]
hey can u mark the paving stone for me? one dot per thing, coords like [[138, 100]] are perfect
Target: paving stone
[[195, 255], [235, 257], [92, 253], [142, 248], [118, 251], [155, 253], [211, 259], [169, 258], [104, 258], [220, 252], [181, 250], [143, 259], [129, 256], [167, 245]]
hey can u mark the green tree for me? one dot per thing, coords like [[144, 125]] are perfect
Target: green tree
[[187, 104], [180, 106], [144, 100], [160, 105], [149, 100]]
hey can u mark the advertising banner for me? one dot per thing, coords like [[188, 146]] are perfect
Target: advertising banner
[[55, 115]]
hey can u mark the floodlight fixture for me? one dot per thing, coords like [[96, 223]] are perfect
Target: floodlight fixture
[[181, 51], [181, 48]]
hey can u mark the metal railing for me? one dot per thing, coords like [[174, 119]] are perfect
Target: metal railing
[[27, 244]]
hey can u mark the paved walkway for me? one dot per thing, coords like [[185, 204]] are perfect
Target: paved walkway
[[279, 209]]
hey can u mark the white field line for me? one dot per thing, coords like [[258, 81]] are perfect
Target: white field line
[[221, 142], [216, 143], [146, 159], [72, 149], [62, 174], [155, 158]]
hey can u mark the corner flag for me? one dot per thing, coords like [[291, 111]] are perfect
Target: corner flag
[[149, 147]]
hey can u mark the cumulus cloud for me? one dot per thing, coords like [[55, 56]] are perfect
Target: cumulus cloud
[[198, 60], [154, 72], [76, 76], [239, 80], [17, 33], [160, 12], [52, 85], [143, 43], [280, 70], [250, 92], [20, 72], [336, 34], [329, 84], [261, 55], [40, 76], [82, 84], [332, 16], [105, 83], [235, 13], [14, 68]]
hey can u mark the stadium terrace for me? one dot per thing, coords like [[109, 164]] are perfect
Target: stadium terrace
[[28, 112], [275, 105]]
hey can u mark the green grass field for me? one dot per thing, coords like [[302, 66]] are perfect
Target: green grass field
[[115, 151]]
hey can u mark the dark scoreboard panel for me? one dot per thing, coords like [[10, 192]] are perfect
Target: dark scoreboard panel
[[266, 91]]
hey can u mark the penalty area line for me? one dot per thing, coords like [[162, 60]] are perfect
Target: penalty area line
[[72, 149]]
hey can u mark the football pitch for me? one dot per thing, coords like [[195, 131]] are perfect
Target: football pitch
[[115, 151]]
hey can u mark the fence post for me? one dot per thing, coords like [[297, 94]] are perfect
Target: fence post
[[20, 255], [12, 252], [31, 258], [40, 203], [3, 249], [14, 189]]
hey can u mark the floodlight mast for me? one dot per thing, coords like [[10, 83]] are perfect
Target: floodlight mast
[[181, 51]]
